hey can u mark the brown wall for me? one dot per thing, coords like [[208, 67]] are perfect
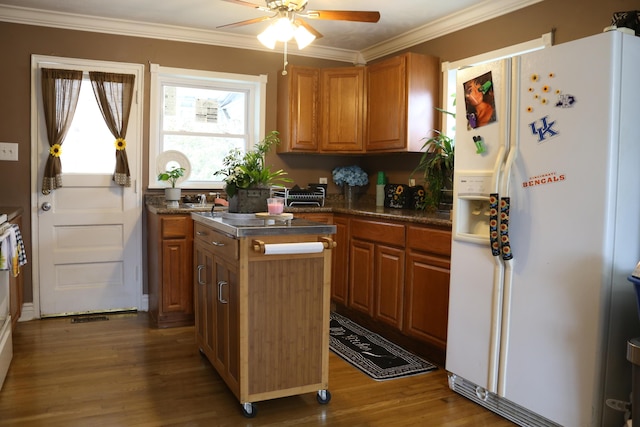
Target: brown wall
[[571, 19]]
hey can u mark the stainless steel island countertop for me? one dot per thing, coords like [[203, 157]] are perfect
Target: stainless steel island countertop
[[248, 225]]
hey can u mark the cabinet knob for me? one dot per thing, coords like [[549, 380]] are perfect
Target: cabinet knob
[[215, 243]]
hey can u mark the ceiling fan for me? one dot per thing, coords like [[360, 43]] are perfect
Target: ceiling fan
[[287, 23]]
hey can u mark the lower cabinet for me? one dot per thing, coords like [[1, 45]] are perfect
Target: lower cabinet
[[427, 285], [397, 278], [170, 269], [376, 269], [216, 290]]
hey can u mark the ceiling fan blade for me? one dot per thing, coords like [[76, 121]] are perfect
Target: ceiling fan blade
[[246, 3], [343, 15], [309, 28], [247, 22]]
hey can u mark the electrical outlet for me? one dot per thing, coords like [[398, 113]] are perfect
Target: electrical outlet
[[322, 180], [412, 182], [9, 151]]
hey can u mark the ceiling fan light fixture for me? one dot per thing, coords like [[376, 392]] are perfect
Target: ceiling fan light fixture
[[283, 30], [303, 36], [268, 37]]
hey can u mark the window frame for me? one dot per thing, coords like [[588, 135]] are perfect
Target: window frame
[[254, 86]]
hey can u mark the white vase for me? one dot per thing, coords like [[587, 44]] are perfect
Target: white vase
[[172, 194]]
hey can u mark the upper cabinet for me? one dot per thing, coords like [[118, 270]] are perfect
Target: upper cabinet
[[298, 93], [388, 106], [342, 110], [402, 94]]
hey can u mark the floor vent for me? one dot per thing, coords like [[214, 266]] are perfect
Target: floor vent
[[85, 319]]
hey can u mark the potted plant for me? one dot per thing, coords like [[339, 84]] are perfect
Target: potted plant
[[172, 176], [436, 164], [248, 179]]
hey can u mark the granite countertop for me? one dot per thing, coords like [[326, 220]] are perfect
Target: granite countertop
[[365, 208], [370, 210]]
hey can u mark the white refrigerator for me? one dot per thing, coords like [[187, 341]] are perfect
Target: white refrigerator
[[537, 331]]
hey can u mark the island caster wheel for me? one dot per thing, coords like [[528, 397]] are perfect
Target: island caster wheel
[[323, 397], [249, 410]]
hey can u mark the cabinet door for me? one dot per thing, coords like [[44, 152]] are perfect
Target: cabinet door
[[342, 98], [427, 298], [386, 104], [361, 274], [205, 299], [340, 261], [298, 93], [226, 323], [177, 293], [389, 284]]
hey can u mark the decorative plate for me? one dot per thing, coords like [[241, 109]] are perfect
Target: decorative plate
[[167, 159]]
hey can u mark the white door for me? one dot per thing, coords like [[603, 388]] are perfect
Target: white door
[[87, 234]]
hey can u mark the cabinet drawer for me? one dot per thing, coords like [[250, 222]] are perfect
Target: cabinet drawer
[[429, 240], [379, 232], [175, 226], [219, 243]]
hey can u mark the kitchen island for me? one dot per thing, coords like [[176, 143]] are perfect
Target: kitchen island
[[262, 297]]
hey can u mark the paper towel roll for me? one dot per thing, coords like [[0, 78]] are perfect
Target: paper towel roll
[[293, 248]]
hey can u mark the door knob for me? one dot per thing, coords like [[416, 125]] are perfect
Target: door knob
[[46, 206]]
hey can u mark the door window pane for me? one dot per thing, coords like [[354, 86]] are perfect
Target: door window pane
[[89, 146]]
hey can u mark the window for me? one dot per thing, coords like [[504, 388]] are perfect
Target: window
[[88, 147], [202, 115]]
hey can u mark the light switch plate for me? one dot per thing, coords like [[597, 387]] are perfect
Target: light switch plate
[[9, 151]]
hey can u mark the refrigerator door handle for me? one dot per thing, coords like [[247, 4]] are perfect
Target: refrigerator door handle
[[505, 245], [493, 224]]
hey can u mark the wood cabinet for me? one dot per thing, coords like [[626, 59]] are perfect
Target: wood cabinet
[[340, 261], [427, 284], [170, 269], [376, 269], [402, 94], [397, 281], [298, 115], [16, 286], [262, 319], [388, 106], [217, 302], [342, 110]]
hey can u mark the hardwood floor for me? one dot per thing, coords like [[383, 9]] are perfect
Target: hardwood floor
[[120, 372]]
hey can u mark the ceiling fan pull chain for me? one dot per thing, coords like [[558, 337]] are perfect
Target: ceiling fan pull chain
[[284, 69]]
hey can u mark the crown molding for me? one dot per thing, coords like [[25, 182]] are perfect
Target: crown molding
[[487, 10]]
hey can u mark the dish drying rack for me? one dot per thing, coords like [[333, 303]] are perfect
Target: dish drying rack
[[300, 197]]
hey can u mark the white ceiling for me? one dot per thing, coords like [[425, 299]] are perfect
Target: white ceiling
[[403, 23]]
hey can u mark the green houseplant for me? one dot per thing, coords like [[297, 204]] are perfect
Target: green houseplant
[[248, 171], [172, 176], [436, 165]]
